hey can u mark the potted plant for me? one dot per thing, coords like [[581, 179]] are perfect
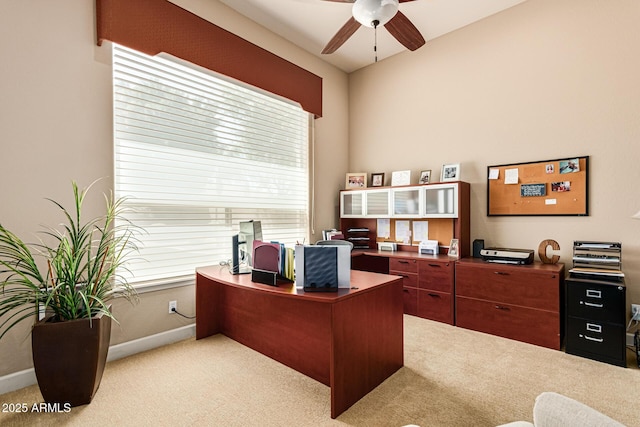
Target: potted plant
[[65, 283]]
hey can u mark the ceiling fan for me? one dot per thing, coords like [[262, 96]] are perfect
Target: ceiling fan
[[373, 13]]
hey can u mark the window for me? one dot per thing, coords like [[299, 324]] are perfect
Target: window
[[195, 154]]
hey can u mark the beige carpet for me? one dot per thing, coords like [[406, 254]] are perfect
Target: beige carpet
[[451, 377]]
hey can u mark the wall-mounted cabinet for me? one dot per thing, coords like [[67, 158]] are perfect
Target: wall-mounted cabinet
[[377, 203], [407, 201], [365, 203], [445, 205], [423, 201], [352, 204], [441, 200]]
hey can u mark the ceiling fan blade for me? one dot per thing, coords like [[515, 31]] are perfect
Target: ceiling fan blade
[[341, 36], [353, 1], [404, 31]]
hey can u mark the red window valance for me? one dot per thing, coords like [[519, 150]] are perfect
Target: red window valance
[[155, 26]]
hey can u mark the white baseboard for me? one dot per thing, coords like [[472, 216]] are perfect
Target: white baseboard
[[21, 379]]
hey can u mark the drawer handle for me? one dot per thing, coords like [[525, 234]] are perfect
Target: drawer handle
[[501, 273], [502, 307], [434, 265], [401, 261], [434, 295], [590, 304], [405, 290], [592, 327], [587, 337], [405, 275], [593, 293]]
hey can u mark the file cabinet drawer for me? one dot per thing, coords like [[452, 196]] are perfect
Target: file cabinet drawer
[[595, 301], [514, 285], [514, 322], [596, 340]]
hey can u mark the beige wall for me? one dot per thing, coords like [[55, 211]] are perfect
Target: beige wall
[[545, 79], [56, 126]]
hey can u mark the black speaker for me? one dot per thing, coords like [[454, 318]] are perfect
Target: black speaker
[[478, 245]]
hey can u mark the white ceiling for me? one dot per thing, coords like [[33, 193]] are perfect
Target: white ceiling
[[310, 24]]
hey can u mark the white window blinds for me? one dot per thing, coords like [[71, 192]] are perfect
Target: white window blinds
[[195, 154]]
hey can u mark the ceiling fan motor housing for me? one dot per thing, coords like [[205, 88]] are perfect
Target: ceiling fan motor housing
[[372, 13]]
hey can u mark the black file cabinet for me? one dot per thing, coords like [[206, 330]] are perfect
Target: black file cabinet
[[595, 320]]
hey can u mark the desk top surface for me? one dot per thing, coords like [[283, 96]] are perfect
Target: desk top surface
[[361, 281], [401, 254]]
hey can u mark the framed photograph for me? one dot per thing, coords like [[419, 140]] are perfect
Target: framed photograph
[[356, 180], [454, 250], [425, 176], [401, 178], [377, 179], [450, 172]]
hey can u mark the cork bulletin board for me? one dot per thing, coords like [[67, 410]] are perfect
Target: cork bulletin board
[[547, 187]]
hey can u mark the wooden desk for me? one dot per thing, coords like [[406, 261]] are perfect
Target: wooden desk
[[351, 340]]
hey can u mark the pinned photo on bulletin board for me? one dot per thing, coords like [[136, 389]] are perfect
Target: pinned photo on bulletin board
[[547, 187]]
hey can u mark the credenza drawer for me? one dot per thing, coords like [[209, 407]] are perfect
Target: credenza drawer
[[409, 280], [410, 300], [516, 322], [438, 276], [403, 264], [525, 288], [435, 306]]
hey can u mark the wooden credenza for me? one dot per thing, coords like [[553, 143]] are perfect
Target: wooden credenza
[[517, 302], [427, 286], [427, 280]]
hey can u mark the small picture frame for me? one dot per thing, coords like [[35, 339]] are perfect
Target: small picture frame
[[450, 172], [454, 250], [356, 180], [401, 178], [425, 176], [377, 179]]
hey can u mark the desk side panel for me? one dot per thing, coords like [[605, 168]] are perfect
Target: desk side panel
[[208, 301], [368, 343], [294, 331]]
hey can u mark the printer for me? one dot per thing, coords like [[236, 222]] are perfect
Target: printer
[[507, 255], [428, 247]]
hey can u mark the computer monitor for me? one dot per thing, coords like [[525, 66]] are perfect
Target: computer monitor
[[239, 256], [242, 246], [249, 231]]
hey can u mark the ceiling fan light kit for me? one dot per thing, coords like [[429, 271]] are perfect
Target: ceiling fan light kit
[[372, 13]]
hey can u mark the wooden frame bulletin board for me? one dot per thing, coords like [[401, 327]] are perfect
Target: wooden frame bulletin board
[[547, 187]]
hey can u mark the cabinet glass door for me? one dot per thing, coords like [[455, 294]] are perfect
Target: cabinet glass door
[[352, 204], [406, 202], [377, 202], [441, 201]]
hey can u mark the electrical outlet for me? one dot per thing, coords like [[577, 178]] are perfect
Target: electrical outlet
[[630, 338], [635, 311], [173, 306]]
